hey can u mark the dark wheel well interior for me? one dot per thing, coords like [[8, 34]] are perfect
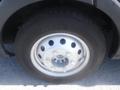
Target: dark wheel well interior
[[13, 24]]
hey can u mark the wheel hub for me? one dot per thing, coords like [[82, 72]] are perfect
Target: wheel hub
[[60, 54]]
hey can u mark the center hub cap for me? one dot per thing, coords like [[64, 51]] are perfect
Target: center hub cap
[[60, 61]]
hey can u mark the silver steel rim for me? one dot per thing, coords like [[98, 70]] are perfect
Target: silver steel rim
[[60, 54]]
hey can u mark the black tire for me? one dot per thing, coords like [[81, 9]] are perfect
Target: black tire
[[52, 21]]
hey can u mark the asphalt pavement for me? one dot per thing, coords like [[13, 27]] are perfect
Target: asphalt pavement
[[11, 73]]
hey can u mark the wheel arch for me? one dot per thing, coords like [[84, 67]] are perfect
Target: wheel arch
[[10, 27]]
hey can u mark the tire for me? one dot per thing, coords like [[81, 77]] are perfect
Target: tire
[[52, 21]]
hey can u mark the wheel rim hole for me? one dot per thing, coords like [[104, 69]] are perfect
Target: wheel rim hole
[[73, 45], [39, 56], [42, 48], [51, 42], [79, 51], [62, 41]]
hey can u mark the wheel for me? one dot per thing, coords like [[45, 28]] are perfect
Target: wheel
[[60, 46]]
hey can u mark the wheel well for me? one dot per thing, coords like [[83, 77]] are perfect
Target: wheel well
[[13, 24]]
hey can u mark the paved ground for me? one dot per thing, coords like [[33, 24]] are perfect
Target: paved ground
[[11, 74]]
